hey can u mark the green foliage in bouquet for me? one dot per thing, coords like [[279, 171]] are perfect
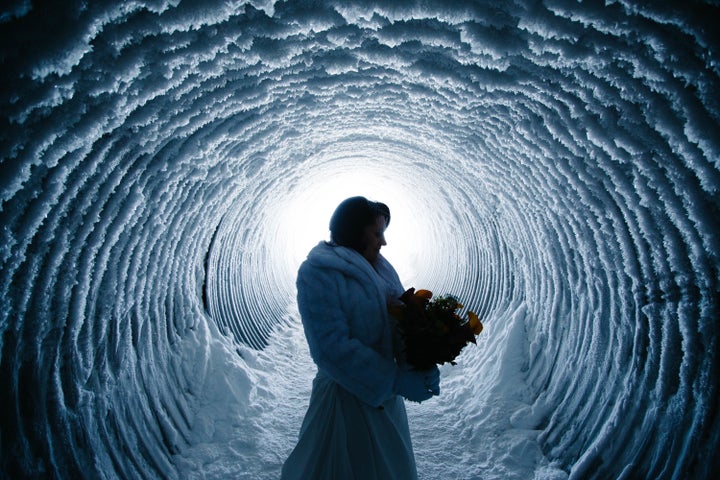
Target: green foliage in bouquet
[[432, 330]]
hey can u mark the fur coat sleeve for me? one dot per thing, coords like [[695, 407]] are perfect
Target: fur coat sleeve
[[343, 304]]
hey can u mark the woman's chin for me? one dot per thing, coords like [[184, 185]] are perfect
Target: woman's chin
[[371, 257]]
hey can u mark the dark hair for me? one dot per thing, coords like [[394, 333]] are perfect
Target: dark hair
[[351, 217]]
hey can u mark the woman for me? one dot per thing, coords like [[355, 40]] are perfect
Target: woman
[[356, 426]]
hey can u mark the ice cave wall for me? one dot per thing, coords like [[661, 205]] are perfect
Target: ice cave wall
[[558, 156]]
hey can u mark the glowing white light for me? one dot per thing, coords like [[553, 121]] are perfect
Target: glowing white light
[[304, 217]]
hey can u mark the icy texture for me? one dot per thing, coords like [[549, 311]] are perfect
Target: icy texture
[[554, 164]]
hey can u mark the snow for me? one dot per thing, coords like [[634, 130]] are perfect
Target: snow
[[165, 164]]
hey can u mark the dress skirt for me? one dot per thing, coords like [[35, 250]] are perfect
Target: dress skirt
[[343, 438]]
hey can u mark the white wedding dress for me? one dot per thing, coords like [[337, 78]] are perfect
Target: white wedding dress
[[355, 426]]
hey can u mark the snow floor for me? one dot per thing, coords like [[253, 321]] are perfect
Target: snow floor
[[252, 403]]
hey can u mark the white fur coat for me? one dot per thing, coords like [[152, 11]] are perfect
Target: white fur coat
[[343, 303]]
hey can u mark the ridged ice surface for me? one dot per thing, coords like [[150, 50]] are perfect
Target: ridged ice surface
[[166, 164]]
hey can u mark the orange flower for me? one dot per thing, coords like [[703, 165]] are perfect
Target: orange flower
[[474, 322], [426, 294]]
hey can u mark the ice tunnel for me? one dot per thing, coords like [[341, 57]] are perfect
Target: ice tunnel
[[166, 165]]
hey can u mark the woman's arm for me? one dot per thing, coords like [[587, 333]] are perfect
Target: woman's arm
[[355, 366]]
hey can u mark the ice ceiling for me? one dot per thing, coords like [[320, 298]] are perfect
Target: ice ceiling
[[166, 164]]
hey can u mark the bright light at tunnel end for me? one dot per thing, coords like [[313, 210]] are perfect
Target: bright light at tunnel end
[[303, 217]]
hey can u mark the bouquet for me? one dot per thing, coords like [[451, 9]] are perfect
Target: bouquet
[[432, 331]]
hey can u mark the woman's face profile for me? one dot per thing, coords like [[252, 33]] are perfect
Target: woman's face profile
[[373, 239]]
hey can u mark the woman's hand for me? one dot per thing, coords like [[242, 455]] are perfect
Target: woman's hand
[[417, 385]]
